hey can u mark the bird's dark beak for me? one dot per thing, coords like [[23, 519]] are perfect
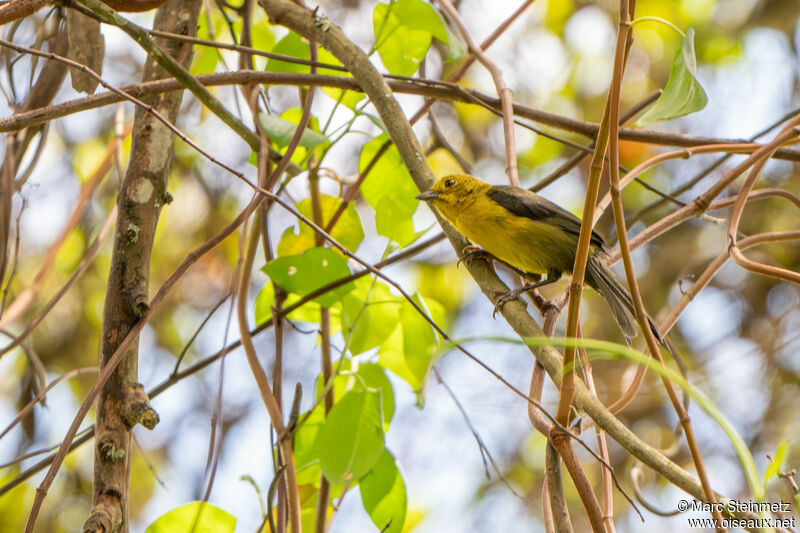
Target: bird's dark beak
[[427, 196]]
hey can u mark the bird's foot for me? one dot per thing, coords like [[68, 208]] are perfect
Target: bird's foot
[[507, 297], [471, 252], [516, 293]]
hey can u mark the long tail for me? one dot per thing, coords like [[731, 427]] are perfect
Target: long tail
[[601, 279]]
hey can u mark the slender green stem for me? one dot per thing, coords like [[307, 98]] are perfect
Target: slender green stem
[[662, 21]]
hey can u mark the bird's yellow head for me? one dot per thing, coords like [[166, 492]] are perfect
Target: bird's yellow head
[[452, 194]]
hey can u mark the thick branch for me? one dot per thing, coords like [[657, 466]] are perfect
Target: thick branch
[[123, 403]]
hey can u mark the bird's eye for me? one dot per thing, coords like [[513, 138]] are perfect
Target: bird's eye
[[449, 183]]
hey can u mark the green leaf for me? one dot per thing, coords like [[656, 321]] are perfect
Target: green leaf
[[295, 46], [420, 341], [683, 94], [206, 57], [204, 61], [774, 466], [308, 312], [383, 493], [369, 315], [306, 448], [294, 241], [197, 517], [393, 221], [403, 32], [281, 132], [347, 231], [388, 177], [351, 440], [411, 349], [304, 273], [375, 378]]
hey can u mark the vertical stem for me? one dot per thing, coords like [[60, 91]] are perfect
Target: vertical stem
[[567, 390], [602, 446], [122, 402], [323, 497], [555, 491]]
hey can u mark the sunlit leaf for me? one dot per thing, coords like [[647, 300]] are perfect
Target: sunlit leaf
[[420, 341], [446, 283], [295, 242], [411, 349], [308, 312], [443, 163], [557, 14], [306, 448], [544, 149], [774, 466], [369, 315], [348, 230], [683, 94], [87, 157], [15, 504], [204, 61], [393, 221], [375, 378], [403, 32], [351, 441], [388, 177], [295, 46], [195, 517], [383, 493], [304, 273]]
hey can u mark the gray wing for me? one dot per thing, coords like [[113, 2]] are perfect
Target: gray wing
[[525, 203]]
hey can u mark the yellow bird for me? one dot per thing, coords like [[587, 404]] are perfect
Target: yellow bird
[[530, 233]]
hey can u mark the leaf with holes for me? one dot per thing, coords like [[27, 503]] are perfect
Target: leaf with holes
[[304, 273]]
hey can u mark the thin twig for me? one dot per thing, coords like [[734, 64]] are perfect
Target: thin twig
[[503, 90]]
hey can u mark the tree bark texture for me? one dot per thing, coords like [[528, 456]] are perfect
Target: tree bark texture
[[123, 402]]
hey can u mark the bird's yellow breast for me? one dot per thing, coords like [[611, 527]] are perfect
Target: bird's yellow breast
[[531, 245]]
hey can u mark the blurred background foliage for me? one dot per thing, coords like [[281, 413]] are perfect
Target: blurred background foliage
[[739, 336]]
